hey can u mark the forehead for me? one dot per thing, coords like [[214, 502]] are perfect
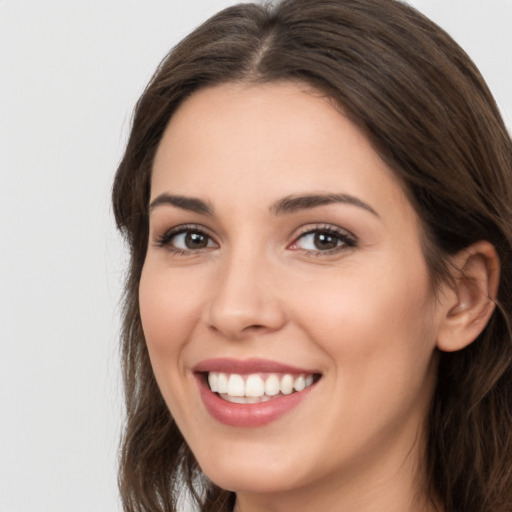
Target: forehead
[[274, 139]]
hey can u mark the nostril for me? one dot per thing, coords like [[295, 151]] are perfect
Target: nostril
[[253, 327], [235, 315]]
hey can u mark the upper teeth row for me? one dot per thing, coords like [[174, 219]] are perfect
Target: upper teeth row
[[255, 385]]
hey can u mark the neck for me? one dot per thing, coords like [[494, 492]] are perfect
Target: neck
[[365, 500]]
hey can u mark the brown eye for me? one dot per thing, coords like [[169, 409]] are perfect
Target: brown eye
[[195, 240], [325, 241], [186, 239]]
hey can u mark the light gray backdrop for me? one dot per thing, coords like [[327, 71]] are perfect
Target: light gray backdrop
[[70, 72]]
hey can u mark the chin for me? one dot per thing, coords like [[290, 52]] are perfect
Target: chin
[[249, 478], [259, 468]]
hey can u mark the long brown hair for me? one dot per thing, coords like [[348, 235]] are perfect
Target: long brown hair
[[429, 114]]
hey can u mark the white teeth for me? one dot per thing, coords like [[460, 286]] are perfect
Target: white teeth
[[222, 383], [299, 383], [236, 385], [235, 399], [272, 385], [245, 399], [212, 380], [287, 384], [255, 387]]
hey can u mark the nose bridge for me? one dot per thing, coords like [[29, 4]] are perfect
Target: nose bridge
[[244, 300]]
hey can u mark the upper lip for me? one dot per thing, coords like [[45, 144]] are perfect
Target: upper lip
[[245, 366]]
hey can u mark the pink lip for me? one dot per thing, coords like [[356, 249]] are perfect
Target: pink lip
[[248, 366], [248, 415]]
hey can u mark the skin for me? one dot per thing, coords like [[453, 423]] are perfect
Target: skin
[[364, 316]]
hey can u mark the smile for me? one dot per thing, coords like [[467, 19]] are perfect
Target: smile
[[256, 387], [252, 392]]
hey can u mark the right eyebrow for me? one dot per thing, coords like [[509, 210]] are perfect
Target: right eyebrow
[[191, 204], [293, 203]]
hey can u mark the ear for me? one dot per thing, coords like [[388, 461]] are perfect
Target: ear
[[469, 303]]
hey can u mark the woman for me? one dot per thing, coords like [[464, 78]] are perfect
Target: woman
[[316, 195]]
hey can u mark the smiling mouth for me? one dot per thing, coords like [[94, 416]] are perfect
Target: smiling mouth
[[257, 387]]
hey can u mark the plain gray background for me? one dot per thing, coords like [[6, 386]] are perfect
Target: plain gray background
[[70, 73]]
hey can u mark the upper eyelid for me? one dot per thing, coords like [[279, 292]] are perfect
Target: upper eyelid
[[180, 228], [311, 228], [160, 236], [346, 236], [294, 236]]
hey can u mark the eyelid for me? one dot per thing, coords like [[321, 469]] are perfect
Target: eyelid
[[348, 239], [163, 239]]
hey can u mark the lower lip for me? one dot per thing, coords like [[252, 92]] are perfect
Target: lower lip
[[248, 415]]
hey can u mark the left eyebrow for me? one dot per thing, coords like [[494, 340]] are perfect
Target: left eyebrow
[[184, 203], [294, 203]]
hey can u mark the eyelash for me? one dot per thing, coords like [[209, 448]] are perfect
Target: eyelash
[[344, 239], [165, 239]]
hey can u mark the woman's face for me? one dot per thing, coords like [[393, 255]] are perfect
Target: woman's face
[[284, 263]]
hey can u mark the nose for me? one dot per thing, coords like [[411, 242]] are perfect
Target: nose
[[244, 300]]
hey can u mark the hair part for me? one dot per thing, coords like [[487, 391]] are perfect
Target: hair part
[[429, 114]]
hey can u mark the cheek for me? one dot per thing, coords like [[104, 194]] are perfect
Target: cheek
[[377, 331], [168, 309], [371, 322]]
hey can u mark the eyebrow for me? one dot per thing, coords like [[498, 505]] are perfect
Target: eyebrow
[[185, 203], [294, 203], [286, 205]]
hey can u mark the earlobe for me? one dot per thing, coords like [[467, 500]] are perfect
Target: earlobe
[[470, 301]]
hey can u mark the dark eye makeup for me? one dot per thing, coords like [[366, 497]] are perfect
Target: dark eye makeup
[[323, 240], [186, 239], [313, 239]]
